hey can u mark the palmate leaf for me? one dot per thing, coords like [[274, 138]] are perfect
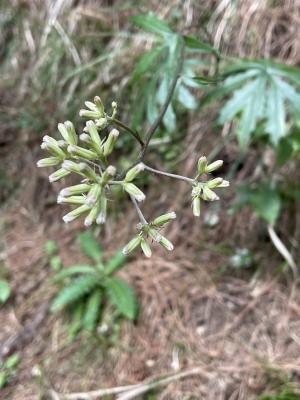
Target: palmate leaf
[[260, 93]]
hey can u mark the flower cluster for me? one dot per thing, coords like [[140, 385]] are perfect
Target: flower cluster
[[203, 190], [89, 161], [150, 231], [87, 155]]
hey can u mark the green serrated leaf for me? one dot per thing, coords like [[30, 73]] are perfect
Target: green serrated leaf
[[146, 62], [4, 291], [196, 44], [90, 246], [169, 119], [186, 98], [73, 292], [115, 262], [238, 101], [206, 80], [76, 320], [74, 270], [92, 310], [275, 114], [123, 297], [252, 112], [150, 23]]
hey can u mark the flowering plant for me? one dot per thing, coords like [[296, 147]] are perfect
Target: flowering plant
[[90, 161]]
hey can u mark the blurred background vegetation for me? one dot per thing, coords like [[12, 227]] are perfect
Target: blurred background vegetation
[[228, 295]]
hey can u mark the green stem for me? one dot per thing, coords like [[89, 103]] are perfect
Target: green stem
[[134, 133]]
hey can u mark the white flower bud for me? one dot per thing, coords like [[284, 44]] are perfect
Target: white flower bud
[[99, 105], [213, 166], [134, 191], [76, 213], [163, 219], [59, 174], [166, 243], [202, 163], [133, 172], [110, 142], [196, 207], [76, 189], [135, 242], [93, 195], [209, 195], [70, 200], [214, 183], [48, 162], [81, 152], [92, 129], [146, 248]]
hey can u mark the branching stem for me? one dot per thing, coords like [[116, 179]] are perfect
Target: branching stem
[[166, 104], [134, 133], [139, 211], [168, 174]]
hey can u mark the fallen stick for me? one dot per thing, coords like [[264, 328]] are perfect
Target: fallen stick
[[132, 391]]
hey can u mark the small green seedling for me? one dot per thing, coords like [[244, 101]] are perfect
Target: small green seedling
[[88, 289], [4, 291], [8, 369], [51, 251]]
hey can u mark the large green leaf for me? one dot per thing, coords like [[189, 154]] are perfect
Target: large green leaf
[[150, 23], [90, 246], [78, 288], [123, 297], [260, 94], [196, 44], [145, 62], [264, 199], [74, 270], [275, 113], [92, 310], [115, 262]]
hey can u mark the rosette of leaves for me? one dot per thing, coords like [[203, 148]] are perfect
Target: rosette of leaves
[[87, 290]]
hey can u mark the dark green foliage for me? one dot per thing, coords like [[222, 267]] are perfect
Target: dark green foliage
[[89, 246], [264, 199], [261, 92], [78, 288], [86, 290], [122, 296], [155, 69]]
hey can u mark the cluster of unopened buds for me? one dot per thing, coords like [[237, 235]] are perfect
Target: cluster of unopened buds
[[90, 161]]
